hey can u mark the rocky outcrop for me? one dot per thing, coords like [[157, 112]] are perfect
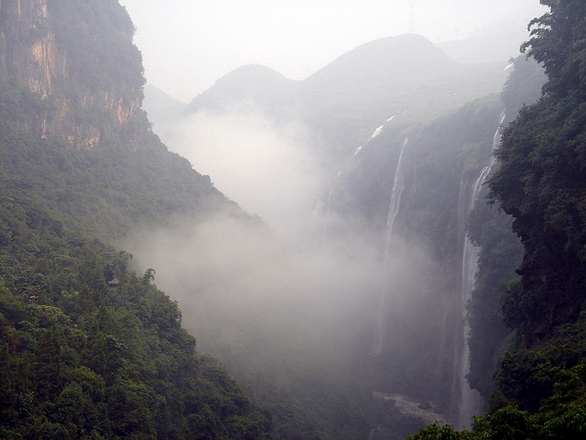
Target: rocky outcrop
[[44, 47]]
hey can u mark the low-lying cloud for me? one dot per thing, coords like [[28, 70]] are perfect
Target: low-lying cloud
[[241, 289], [265, 165], [284, 293]]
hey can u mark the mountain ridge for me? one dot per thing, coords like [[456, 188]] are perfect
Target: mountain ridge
[[345, 100], [262, 85]]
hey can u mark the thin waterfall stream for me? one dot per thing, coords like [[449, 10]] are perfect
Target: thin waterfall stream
[[398, 186], [471, 402]]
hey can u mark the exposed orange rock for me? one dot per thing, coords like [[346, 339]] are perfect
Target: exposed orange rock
[[31, 55]]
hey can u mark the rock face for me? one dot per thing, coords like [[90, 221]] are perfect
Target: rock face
[[65, 71]]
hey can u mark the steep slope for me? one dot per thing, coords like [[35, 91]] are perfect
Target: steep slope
[[411, 185], [71, 76], [541, 387], [88, 349], [500, 249], [541, 184], [75, 63]]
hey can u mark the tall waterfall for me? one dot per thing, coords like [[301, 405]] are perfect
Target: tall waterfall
[[471, 402], [398, 185]]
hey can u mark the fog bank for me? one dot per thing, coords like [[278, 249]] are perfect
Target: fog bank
[[254, 301], [266, 166]]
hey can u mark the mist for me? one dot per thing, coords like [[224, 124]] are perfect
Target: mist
[[250, 299], [297, 287], [265, 165]]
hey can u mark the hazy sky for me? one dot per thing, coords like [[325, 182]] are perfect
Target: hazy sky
[[188, 44]]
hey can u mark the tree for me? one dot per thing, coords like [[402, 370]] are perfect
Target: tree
[[541, 181], [557, 42]]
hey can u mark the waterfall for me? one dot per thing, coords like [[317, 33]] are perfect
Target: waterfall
[[398, 185], [470, 402]]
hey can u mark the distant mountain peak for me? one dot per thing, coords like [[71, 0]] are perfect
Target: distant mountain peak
[[253, 82], [406, 74], [401, 55], [252, 71]]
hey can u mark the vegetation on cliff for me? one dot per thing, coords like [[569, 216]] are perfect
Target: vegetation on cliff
[[91, 349], [541, 182], [541, 379], [88, 348]]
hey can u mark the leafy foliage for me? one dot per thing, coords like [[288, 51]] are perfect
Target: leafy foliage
[[82, 358], [89, 349], [558, 43], [541, 181], [541, 378]]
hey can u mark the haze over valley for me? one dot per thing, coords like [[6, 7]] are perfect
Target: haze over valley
[[295, 220], [339, 281]]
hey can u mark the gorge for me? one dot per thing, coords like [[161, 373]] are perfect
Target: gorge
[[394, 211], [357, 290]]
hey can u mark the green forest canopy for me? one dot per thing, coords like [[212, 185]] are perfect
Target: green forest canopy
[[541, 182]]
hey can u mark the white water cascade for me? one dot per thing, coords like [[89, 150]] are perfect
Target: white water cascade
[[471, 402], [398, 185]]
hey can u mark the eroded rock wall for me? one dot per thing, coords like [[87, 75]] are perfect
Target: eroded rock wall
[[40, 56]]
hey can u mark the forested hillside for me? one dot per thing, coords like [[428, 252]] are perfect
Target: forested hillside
[[359, 329], [89, 348], [410, 191], [541, 388]]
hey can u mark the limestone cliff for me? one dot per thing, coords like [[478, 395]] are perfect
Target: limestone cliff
[[75, 63]]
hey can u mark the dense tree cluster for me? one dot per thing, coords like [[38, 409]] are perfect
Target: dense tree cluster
[[84, 358], [542, 180], [541, 379], [88, 348]]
